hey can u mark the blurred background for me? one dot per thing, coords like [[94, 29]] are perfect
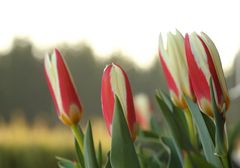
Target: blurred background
[[91, 34]]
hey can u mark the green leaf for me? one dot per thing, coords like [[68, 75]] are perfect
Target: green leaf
[[123, 154], [194, 160], [173, 119], [164, 97], [155, 127], [152, 152], [65, 163], [200, 161], [210, 126], [99, 155], [89, 150], [219, 121], [147, 134], [184, 120], [179, 114], [204, 135], [219, 116], [175, 156], [79, 154]]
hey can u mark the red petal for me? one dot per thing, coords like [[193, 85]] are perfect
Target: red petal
[[51, 89], [220, 97], [170, 81], [67, 89], [107, 97], [131, 118], [197, 77]]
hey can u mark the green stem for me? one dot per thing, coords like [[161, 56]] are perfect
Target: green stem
[[220, 141], [78, 135], [221, 146], [191, 128]]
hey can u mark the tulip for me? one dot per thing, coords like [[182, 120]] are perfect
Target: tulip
[[204, 63], [175, 68], [143, 109], [115, 83], [62, 89]]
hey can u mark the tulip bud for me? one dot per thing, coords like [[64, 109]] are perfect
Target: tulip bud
[[143, 109], [62, 89], [115, 83], [204, 63], [175, 68]]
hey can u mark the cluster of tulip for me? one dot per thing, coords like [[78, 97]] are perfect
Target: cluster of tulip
[[188, 64], [193, 72]]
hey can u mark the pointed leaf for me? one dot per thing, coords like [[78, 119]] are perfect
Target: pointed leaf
[[123, 154], [89, 150], [99, 155], [204, 135], [178, 132], [79, 154], [178, 113]]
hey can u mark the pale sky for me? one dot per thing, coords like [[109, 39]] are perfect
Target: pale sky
[[131, 27]]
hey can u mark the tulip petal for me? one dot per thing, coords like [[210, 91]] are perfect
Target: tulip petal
[[175, 68], [170, 81], [70, 100], [62, 89], [217, 87], [52, 82], [169, 69], [107, 98], [118, 85], [115, 82], [198, 76], [216, 70], [130, 105]]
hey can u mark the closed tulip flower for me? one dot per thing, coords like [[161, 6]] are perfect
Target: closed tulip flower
[[143, 109], [115, 83], [204, 63], [62, 89], [175, 68]]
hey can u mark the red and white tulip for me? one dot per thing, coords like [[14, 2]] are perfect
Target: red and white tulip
[[62, 89], [175, 68], [143, 109], [115, 83], [204, 63]]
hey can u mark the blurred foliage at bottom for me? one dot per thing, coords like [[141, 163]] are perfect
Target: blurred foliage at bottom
[[31, 156], [36, 145]]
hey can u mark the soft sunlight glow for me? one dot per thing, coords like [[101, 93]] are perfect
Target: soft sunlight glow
[[131, 27]]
